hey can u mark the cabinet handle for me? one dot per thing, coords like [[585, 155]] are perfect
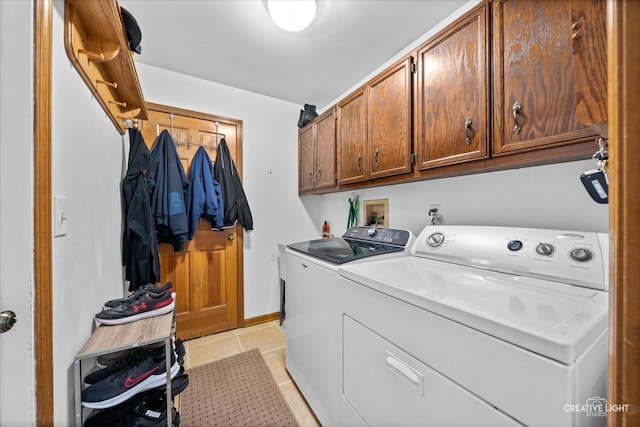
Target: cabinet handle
[[467, 129], [376, 158], [310, 177], [319, 174], [359, 162], [516, 116]]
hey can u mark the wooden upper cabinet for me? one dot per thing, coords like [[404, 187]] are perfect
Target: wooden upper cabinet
[[534, 85], [305, 158], [374, 127], [351, 137], [452, 93], [389, 121], [317, 153], [325, 149], [589, 41]]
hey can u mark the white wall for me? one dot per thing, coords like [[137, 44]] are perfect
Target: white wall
[[17, 367], [87, 164], [550, 196], [270, 171]]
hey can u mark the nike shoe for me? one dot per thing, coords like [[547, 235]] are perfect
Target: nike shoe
[[144, 374], [149, 287], [143, 306], [111, 358], [131, 357], [124, 363], [138, 407]]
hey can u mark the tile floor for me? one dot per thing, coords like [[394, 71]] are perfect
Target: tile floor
[[269, 338]]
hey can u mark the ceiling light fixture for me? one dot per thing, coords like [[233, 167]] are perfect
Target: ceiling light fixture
[[292, 15]]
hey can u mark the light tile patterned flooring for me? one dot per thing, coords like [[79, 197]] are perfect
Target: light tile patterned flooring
[[269, 338]]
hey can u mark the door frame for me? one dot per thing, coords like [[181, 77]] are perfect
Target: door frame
[[42, 232], [624, 208]]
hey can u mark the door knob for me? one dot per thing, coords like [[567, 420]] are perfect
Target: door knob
[[7, 320], [230, 236]]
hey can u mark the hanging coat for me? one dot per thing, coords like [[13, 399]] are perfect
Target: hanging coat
[[139, 244], [206, 197], [169, 189], [236, 206]]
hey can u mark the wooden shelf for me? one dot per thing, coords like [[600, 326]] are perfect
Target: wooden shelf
[[110, 339], [96, 44]]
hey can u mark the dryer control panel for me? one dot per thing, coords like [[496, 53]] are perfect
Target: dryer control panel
[[579, 258]]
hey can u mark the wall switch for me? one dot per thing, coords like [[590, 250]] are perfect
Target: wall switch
[[60, 217]]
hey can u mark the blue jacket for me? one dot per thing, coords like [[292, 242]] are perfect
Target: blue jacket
[[206, 197], [169, 190]]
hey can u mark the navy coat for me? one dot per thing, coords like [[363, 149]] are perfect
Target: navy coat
[[206, 196]]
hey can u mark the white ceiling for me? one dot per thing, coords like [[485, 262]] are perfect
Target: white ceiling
[[235, 42]]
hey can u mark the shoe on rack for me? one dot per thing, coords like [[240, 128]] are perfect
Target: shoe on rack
[[149, 287], [143, 306], [120, 415], [124, 363], [144, 374], [111, 358]]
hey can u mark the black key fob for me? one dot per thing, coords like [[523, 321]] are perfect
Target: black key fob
[[595, 181]]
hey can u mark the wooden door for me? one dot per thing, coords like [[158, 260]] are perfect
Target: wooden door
[[389, 124], [452, 111], [534, 89], [305, 158], [352, 138], [325, 150], [207, 274]]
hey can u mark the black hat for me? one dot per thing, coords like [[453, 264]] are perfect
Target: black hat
[[131, 27]]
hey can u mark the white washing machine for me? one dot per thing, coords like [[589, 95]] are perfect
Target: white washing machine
[[480, 326], [311, 325]]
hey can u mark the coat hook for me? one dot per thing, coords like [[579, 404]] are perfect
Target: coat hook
[[113, 85], [122, 104], [171, 117]]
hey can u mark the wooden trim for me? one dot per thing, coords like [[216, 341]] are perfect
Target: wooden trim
[[261, 319], [624, 210], [43, 331]]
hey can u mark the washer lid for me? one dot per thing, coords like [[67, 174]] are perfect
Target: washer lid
[[553, 319]]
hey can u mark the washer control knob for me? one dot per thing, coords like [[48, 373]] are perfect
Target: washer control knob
[[545, 249], [436, 239], [581, 255], [372, 232], [514, 245]]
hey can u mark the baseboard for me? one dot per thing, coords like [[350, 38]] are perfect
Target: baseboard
[[262, 319]]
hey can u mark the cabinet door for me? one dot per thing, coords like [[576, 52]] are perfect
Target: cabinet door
[[325, 150], [351, 138], [589, 36], [389, 130], [305, 158], [534, 87], [452, 111]]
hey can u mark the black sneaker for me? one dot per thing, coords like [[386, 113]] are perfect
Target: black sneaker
[[149, 287], [145, 374], [142, 307], [111, 358], [124, 363], [120, 414]]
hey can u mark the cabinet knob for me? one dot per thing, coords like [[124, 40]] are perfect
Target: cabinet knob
[[376, 158], [310, 177], [359, 162], [319, 175]]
